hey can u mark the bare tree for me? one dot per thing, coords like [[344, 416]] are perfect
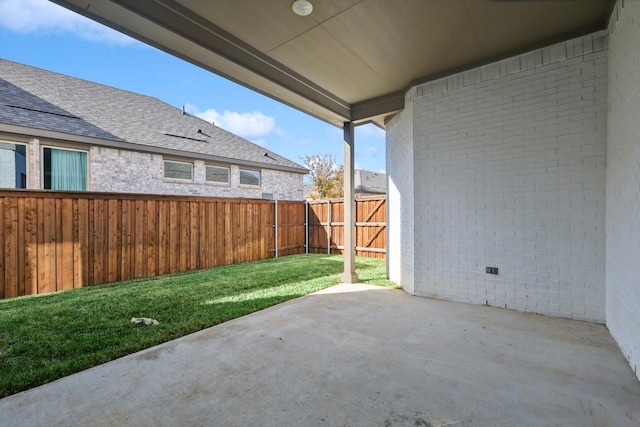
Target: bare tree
[[326, 175]]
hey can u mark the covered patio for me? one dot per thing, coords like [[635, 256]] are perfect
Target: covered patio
[[355, 355], [512, 157]]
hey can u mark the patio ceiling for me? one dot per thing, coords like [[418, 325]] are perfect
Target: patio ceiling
[[350, 60]]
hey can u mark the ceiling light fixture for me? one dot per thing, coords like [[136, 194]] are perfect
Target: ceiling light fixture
[[302, 7]]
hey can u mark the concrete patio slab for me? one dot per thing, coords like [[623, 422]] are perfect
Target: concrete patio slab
[[355, 355]]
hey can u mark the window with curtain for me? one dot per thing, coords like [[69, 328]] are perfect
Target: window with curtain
[[64, 169]]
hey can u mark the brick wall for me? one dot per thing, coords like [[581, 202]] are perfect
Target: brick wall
[[623, 182], [509, 172], [130, 171], [400, 201], [113, 170]]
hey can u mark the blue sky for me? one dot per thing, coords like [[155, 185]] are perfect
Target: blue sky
[[42, 34]]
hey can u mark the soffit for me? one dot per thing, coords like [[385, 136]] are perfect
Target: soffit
[[350, 59]]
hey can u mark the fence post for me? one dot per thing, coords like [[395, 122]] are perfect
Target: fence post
[[276, 226], [306, 226], [329, 226]]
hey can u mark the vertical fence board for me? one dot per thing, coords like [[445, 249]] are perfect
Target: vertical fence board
[[212, 234], [152, 238], [185, 227], [31, 247], [66, 263], [163, 236], [138, 240], [59, 246], [193, 232], [80, 243], [42, 267], [201, 236], [98, 241], [228, 241], [128, 239], [174, 241], [113, 231], [20, 248], [10, 246], [49, 253]]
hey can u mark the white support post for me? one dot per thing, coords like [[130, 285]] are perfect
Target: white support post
[[349, 275]]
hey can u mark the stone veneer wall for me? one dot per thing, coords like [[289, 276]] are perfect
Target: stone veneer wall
[[130, 171], [114, 170]]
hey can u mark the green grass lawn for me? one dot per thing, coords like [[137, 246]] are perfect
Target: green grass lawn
[[43, 338]]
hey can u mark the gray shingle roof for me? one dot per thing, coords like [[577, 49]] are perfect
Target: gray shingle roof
[[41, 99], [18, 107]]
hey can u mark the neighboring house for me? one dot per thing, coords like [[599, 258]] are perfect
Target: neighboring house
[[366, 183], [63, 133], [369, 183]]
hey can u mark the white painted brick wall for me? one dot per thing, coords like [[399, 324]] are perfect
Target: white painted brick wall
[[623, 182], [509, 171], [400, 203]]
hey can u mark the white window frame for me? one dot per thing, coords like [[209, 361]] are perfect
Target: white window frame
[[226, 184], [26, 156], [57, 147], [250, 185], [164, 161]]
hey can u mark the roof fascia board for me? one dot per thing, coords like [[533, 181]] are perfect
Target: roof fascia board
[[41, 133], [363, 112]]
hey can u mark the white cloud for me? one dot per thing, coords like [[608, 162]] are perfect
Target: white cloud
[[254, 126], [44, 17]]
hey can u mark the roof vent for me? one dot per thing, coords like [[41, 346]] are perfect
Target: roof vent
[[202, 133]]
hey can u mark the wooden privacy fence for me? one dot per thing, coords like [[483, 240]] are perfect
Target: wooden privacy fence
[[52, 241], [325, 226]]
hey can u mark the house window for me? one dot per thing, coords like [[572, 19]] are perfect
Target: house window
[[217, 174], [249, 177], [64, 169], [178, 170], [13, 165]]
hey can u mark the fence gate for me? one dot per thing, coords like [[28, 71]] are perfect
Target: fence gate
[[325, 226]]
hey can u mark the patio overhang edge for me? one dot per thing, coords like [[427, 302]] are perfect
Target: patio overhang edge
[[215, 50]]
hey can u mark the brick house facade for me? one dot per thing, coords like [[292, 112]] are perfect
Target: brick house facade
[[125, 142]]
